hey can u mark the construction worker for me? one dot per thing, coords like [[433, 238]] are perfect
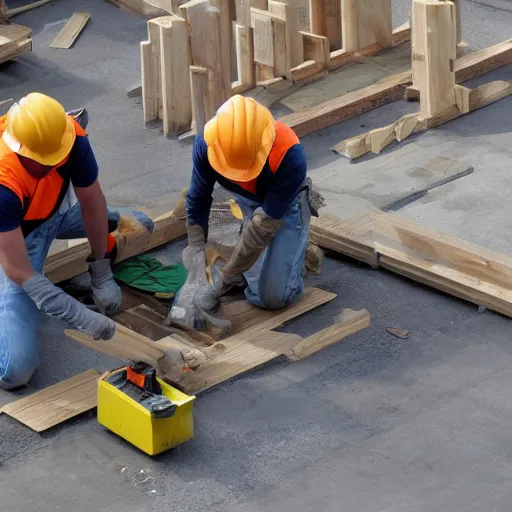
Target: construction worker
[[42, 151], [262, 163]]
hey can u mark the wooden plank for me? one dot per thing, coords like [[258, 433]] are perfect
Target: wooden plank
[[434, 54], [263, 33], [289, 11], [348, 106], [348, 322], [55, 404], [140, 8], [365, 23], [390, 89], [200, 101], [70, 262], [125, 345], [71, 30], [326, 21], [226, 38], [248, 318], [243, 10], [27, 7], [14, 41], [308, 70], [436, 259], [245, 55], [401, 34], [316, 48], [174, 74], [205, 43]]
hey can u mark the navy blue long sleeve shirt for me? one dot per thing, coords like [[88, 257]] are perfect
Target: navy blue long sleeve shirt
[[274, 191]]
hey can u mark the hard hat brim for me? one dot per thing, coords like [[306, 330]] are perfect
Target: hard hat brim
[[58, 156]]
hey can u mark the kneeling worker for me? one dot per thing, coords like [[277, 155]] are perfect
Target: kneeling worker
[[261, 161], [42, 151]]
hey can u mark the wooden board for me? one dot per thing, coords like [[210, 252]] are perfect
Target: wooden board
[[140, 8], [433, 55], [289, 11], [226, 38], [326, 21], [70, 262], [174, 74], [391, 89], [14, 41], [349, 322], [366, 23], [435, 259], [55, 404], [71, 30], [127, 345], [245, 56]]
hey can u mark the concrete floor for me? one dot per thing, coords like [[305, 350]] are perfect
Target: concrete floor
[[375, 423]]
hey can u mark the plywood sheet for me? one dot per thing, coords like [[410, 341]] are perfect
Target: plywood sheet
[[57, 403]]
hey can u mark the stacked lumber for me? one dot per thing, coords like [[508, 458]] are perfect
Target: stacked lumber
[[434, 77], [15, 40], [435, 259], [204, 51]]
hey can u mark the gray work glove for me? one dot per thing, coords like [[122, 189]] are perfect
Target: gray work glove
[[105, 292], [55, 303]]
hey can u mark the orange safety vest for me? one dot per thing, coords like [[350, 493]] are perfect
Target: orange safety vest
[[40, 198], [285, 139]]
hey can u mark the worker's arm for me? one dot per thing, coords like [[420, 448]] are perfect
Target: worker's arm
[[199, 195], [84, 177], [266, 220], [95, 218], [13, 256]]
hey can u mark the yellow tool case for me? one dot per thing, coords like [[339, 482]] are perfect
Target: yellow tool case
[[133, 422]]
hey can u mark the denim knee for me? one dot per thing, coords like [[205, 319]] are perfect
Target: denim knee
[[20, 369], [275, 299]]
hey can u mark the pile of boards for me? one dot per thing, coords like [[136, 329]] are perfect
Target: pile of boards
[[15, 40]]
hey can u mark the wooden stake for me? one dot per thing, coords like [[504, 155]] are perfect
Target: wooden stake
[[245, 55], [365, 23], [433, 55], [176, 96], [200, 101]]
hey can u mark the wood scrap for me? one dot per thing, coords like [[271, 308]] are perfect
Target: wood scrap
[[71, 31], [435, 259], [398, 333], [348, 322], [316, 48], [390, 89], [5, 102], [135, 91], [27, 7], [56, 404], [142, 8], [401, 34], [468, 100]]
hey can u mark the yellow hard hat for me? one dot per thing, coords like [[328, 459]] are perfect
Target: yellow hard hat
[[38, 128], [240, 138]]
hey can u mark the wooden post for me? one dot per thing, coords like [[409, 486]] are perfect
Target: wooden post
[[205, 45], [366, 23], [200, 100], [326, 21], [245, 56], [226, 37], [458, 22], [243, 10], [433, 55], [288, 11], [174, 54]]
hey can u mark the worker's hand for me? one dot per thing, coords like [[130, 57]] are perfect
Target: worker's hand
[[55, 303], [221, 283], [105, 292], [172, 366]]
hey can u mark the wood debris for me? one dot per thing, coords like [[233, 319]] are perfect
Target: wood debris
[[399, 333], [71, 30]]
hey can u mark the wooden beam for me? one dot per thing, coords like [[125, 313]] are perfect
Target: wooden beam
[[200, 101], [467, 101], [56, 404], [326, 21], [435, 259], [14, 41], [71, 30], [434, 54], [174, 69], [226, 38], [347, 323], [71, 262], [365, 23], [288, 10], [27, 7], [245, 56], [391, 89]]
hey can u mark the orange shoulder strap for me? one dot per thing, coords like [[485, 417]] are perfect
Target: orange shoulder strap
[[285, 139], [78, 129]]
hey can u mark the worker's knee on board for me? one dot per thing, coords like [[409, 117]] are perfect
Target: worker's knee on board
[[269, 299]]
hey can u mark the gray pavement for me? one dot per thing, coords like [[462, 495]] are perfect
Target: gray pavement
[[375, 423]]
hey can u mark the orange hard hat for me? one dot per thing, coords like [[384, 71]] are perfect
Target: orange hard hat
[[240, 138], [38, 128]]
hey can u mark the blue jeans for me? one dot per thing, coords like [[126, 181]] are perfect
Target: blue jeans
[[275, 280], [19, 355]]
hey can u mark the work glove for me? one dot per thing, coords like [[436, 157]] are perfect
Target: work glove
[[55, 303], [256, 236], [105, 292]]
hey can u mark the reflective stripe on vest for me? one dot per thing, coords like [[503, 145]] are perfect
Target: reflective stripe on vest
[[285, 139], [40, 198]]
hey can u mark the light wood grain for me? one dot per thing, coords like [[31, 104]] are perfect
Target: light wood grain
[[226, 38], [326, 21], [245, 55], [316, 48], [289, 11], [55, 404], [14, 41], [365, 23], [433, 55], [200, 100], [71, 30], [349, 322]]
